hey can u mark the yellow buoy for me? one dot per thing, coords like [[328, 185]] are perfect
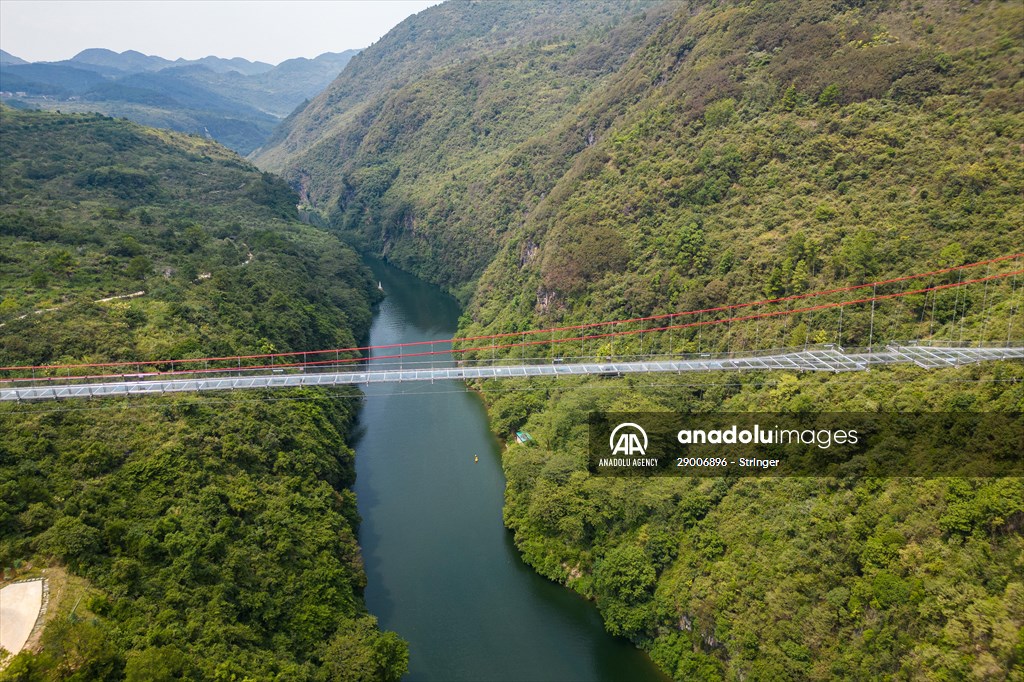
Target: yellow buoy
[[476, 458]]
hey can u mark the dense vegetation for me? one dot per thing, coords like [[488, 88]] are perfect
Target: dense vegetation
[[218, 534], [96, 208], [761, 172], [234, 101], [401, 151], [435, 38], [794, 578], [745, 176], [723, 152]]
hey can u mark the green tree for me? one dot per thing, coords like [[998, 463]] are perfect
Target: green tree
[[39, 278], [775, 285], [139, 267], [829, 95], [720, 113], [82, 650], [952, 255], [857, 256], [791, 98], [624, 582], [70, 539], [158, 664], [359, 653], [61, 261], [800, 277]]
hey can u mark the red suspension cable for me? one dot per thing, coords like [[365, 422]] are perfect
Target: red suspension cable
[[541, 342], [550, 330]]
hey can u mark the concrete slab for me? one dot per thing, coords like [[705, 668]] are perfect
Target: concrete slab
[[19, 608]]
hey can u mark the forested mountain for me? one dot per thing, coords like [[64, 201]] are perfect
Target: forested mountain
[[687, 155], [132, 61], [442, 37], [409, 172], [281, 89], [234, 101], [188, 537]]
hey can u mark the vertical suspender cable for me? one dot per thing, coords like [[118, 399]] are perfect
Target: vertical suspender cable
[[1013, 308], [931, 325], [963, 316], [956, 304], [839, 336], [984, 305], [871, 331]]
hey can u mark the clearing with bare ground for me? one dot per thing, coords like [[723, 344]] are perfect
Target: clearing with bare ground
[[19, 608]]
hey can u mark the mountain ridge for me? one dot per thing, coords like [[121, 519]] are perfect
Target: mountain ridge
[[252, 96], [442, 34], [8, 58]]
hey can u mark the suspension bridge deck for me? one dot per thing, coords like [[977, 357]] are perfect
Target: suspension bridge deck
[[801, 360]]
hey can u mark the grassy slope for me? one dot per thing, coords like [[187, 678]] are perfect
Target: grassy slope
[[434, 182], [217, 531], [717, 176], [210, 240]]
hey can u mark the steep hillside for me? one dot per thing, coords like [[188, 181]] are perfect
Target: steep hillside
[[440, 36], [877, 127], [216, 534], [798, 578], [775, 150], [426, 168], [94, 208], [444, 170]]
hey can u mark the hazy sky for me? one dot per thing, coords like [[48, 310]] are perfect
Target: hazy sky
[[264, 30]]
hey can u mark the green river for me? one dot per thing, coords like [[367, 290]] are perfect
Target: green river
[[443, 571]]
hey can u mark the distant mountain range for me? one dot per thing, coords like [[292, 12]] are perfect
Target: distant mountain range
[[131, 61], [235, 101]]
